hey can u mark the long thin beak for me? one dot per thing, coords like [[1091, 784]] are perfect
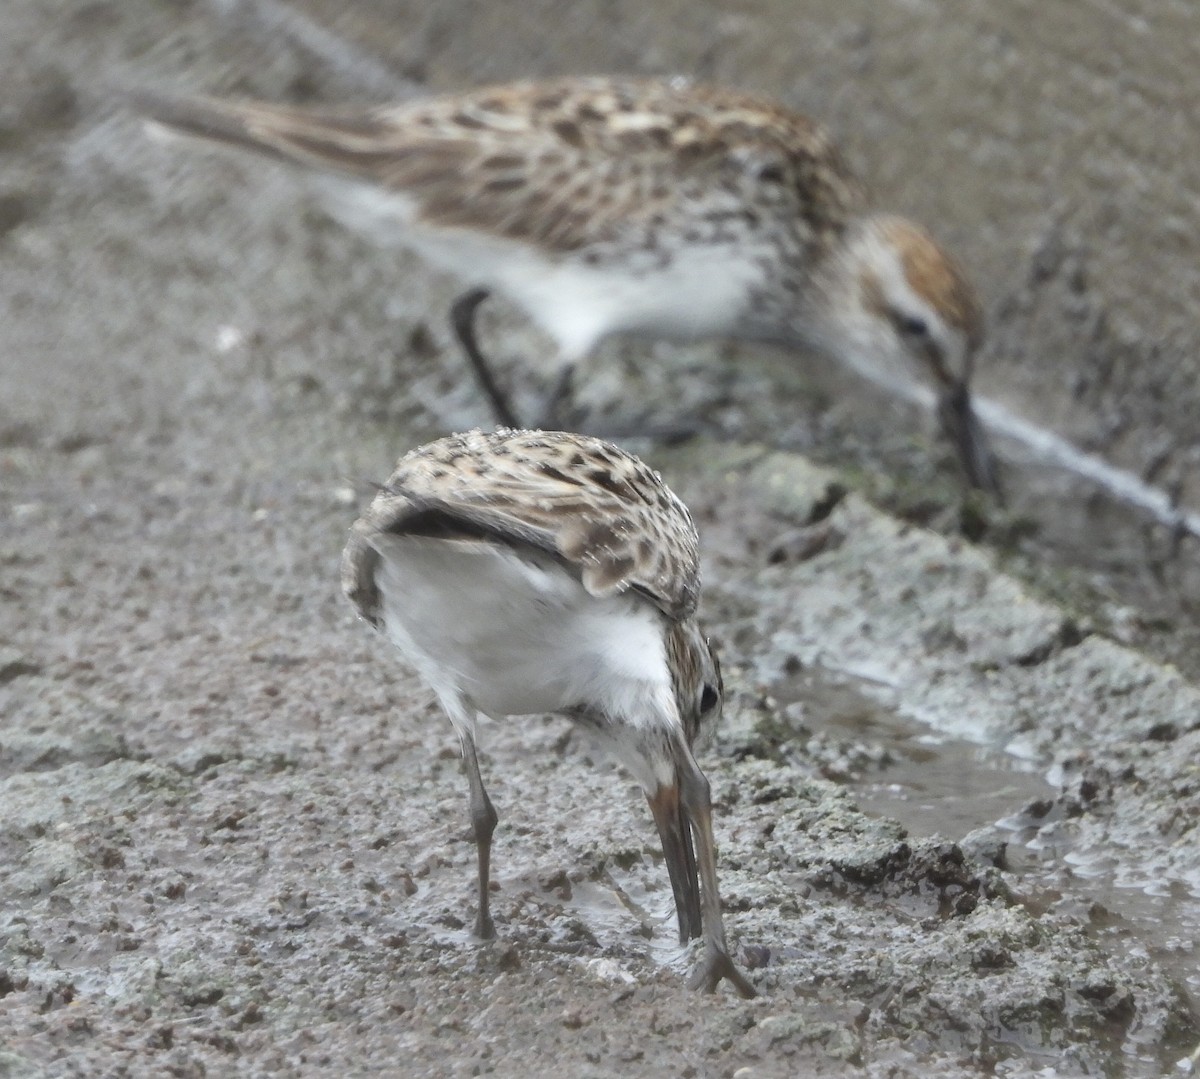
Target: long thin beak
[[964, 430], [676, 834]]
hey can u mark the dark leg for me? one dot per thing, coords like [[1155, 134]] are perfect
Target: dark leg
[[556, 414], [561, 414], [462, 319], [668, 434], [483, 819]]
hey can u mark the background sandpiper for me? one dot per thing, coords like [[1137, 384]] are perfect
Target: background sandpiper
[[658, 208]]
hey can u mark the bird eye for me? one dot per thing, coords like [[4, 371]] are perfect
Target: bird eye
[[912, 325], [710, 697]]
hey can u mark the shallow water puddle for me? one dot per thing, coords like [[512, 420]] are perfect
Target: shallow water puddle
[[937, 784], [1147, 913], [899, 767]]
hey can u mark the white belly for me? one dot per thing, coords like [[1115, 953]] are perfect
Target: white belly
[[701, 292], [514, 635]]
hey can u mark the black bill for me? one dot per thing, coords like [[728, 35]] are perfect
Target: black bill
[[676, 834], [964, 430]]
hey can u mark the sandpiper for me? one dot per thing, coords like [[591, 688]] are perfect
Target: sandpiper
[[529, 572], [652, 207]]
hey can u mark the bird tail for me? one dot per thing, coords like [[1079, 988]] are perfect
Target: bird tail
[[341, 142]]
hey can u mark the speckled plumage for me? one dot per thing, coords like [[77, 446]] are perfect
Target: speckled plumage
[[604, 514], [649, 207], [530, 571], [570, 164]]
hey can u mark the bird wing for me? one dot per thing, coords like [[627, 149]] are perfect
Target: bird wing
[[564, 164], [600, 512]]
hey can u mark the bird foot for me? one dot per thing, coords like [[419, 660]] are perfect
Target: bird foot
[[671, 433], [484, 928], [620, 429], [717, 966]]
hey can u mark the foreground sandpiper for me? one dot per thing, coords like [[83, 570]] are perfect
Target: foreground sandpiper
[[528, 572], [659, 208]]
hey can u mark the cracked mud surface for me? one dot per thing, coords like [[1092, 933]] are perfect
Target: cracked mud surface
[[234, 838]]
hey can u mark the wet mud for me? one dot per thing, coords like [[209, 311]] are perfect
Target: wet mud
[[956, 785]]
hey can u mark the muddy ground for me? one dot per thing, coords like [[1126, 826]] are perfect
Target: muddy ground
[[233, 831]]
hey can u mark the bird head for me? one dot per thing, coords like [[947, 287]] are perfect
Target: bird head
[[696, 675], [901, 311]]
